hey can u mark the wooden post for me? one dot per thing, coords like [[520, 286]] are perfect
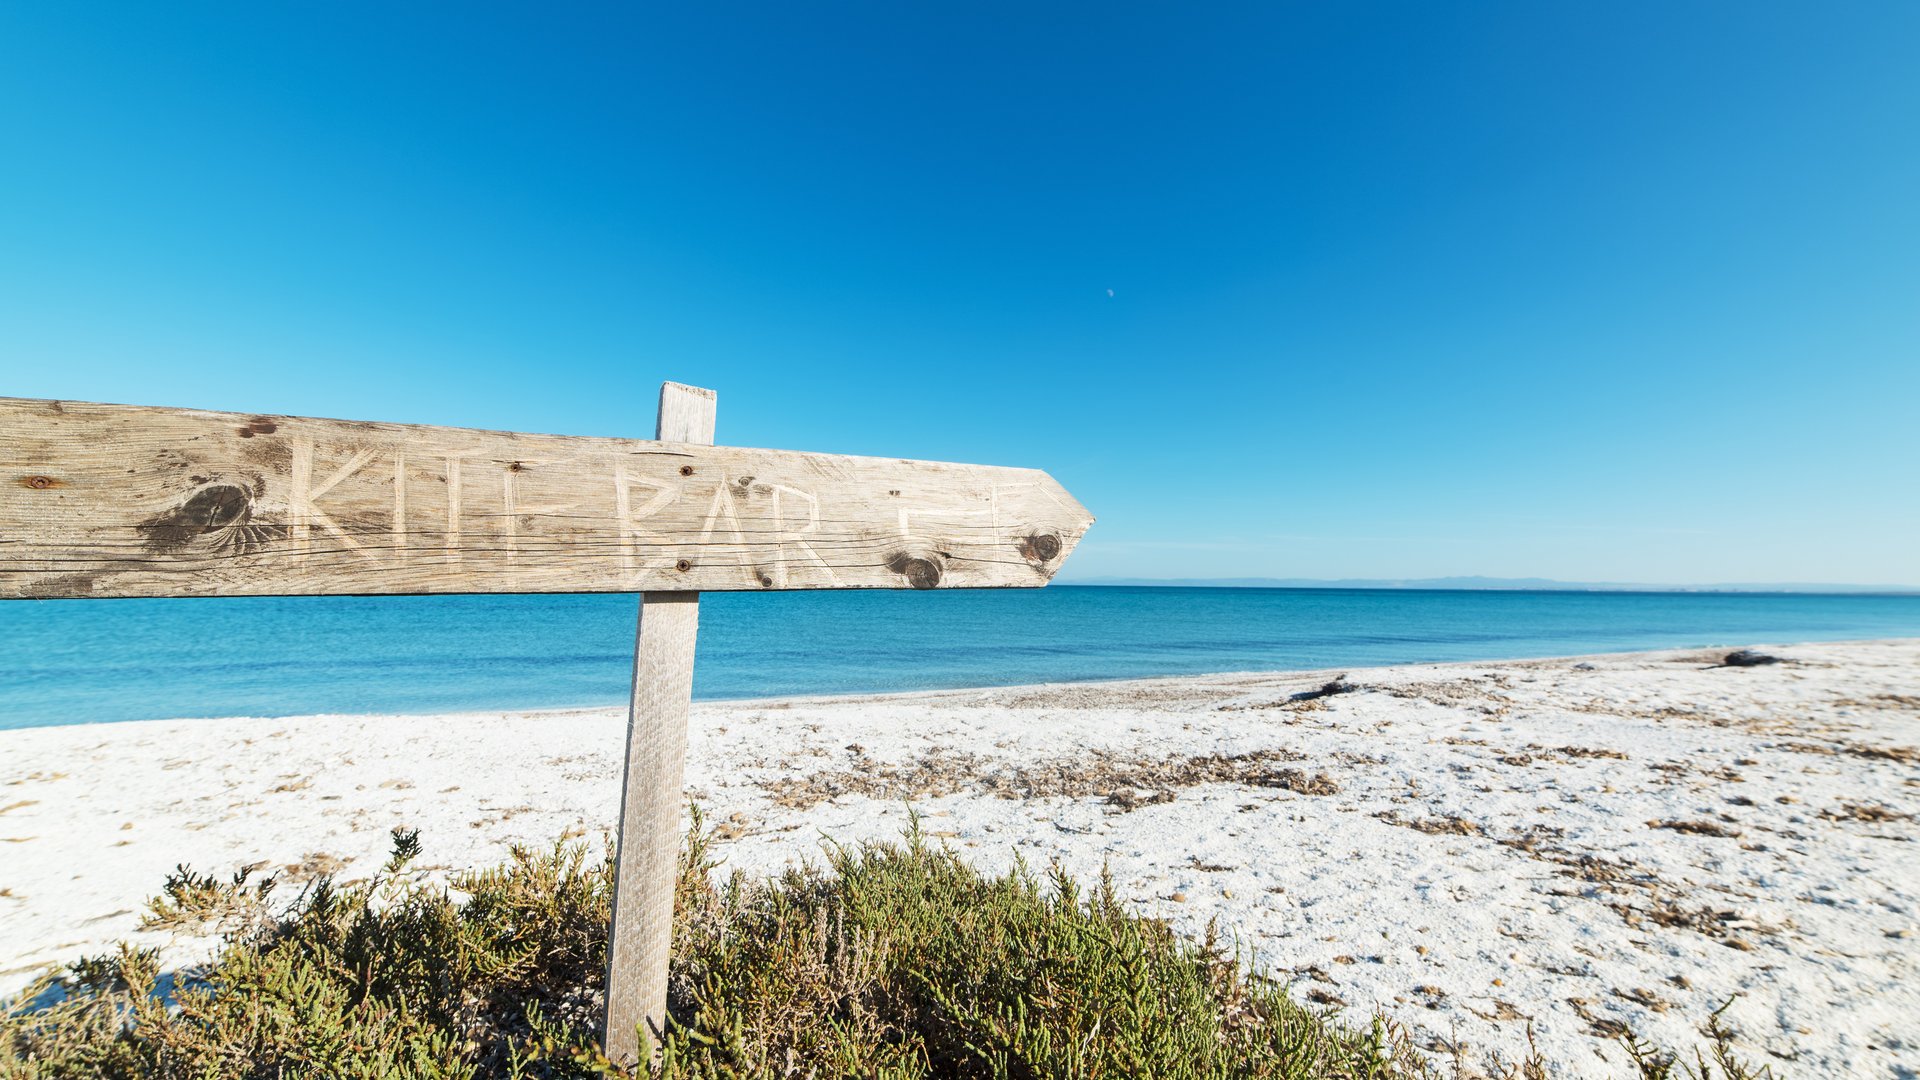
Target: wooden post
[[649, 847]]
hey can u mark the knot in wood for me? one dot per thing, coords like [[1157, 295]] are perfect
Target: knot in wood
[[1040, 547], [920, 573]]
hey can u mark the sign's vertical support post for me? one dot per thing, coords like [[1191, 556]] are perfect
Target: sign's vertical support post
[[647, 859]]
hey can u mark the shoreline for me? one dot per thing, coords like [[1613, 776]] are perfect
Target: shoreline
[[1465, 844], [850, 696]]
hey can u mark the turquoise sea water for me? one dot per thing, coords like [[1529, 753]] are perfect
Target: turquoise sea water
[[85, 661]]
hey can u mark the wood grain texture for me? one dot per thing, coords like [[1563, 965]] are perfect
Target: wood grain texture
[[646, 860], [119, 500]]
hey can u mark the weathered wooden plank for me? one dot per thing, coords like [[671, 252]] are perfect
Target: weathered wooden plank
[[646, 861], [118, 500]]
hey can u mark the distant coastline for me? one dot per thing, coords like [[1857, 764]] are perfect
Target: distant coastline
[[1493, 584]]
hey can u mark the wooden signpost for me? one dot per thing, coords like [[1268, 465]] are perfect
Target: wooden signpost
[[118, 501]]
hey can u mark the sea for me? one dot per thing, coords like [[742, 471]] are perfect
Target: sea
[[93, 661]]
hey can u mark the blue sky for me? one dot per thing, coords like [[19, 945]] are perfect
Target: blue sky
[[1596, 292]]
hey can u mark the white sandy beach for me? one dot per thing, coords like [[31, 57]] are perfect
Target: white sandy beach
[[1468, 846]]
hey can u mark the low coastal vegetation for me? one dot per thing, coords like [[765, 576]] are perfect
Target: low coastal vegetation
[[891, 961]]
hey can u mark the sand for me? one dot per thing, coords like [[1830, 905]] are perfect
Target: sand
[[1579, 843]]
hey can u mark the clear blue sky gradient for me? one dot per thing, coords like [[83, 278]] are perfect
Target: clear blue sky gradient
[[1597, 292]]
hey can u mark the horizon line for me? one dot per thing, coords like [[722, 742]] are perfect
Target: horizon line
[[1481, 583]]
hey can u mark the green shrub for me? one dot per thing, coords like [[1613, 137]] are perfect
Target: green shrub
[[902, 961], [894, 960]]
